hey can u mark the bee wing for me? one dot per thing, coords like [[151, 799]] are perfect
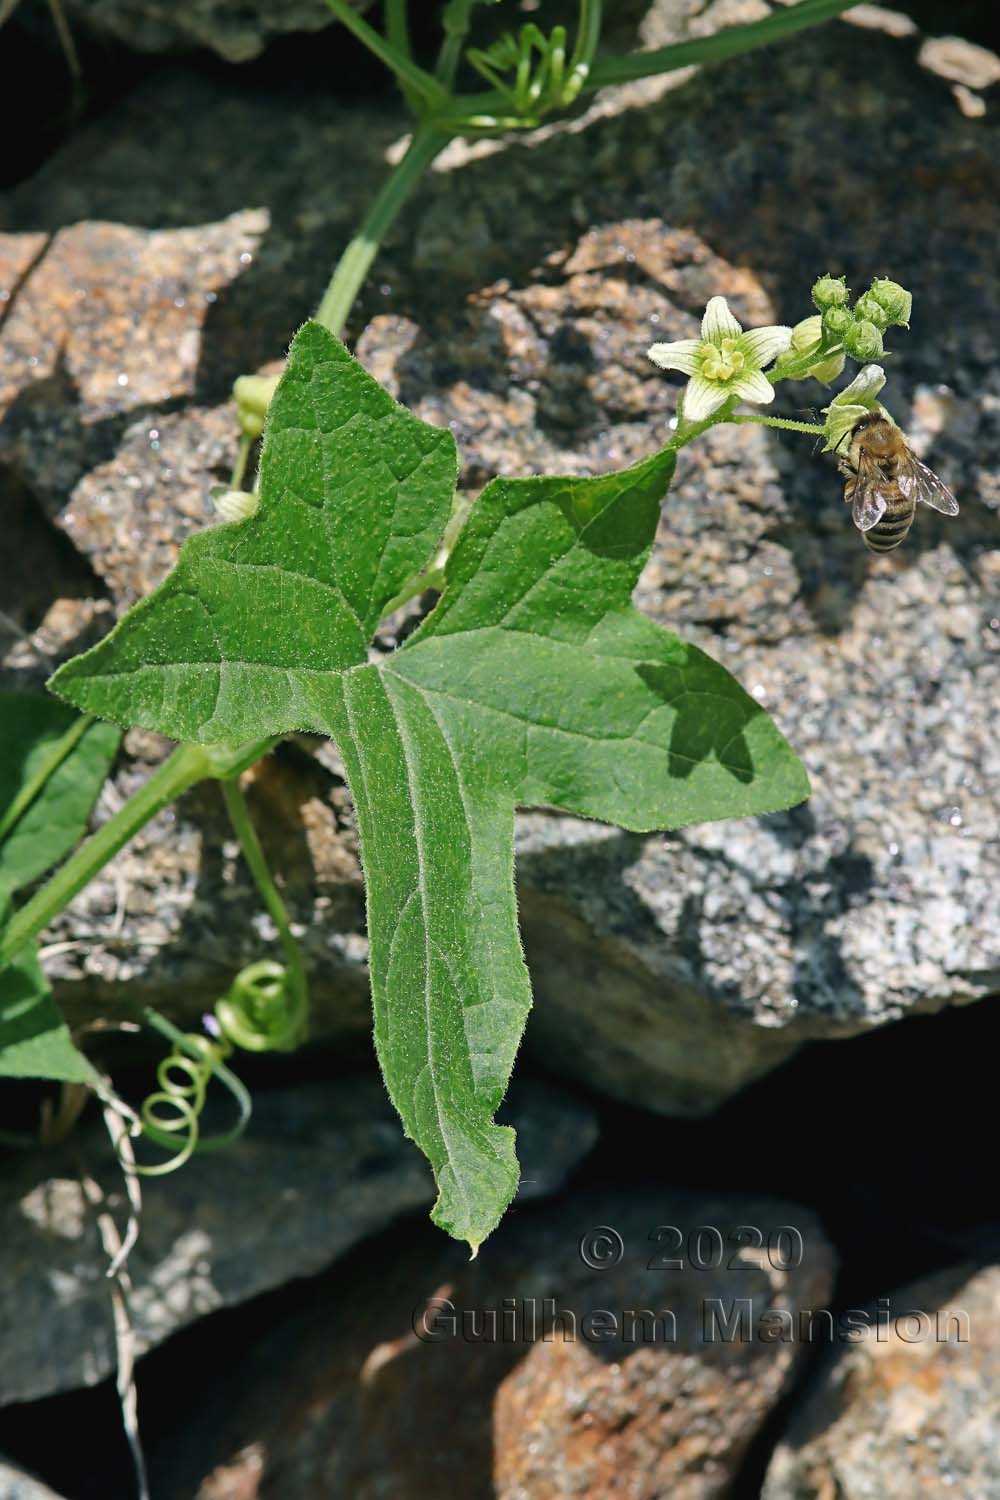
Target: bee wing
[[919, 482], [869, 501]]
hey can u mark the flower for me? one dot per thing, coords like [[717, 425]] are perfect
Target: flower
[[855, 401], [723, 363]]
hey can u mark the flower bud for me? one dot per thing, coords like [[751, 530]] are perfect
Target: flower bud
[[894, 299], [252, 394], [830, 291], [234, 505], [868, 309], [806, 337], [837, 322], [809, 331], [863, 341]]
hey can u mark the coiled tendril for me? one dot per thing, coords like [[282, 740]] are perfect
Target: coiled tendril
[[264, 1010]]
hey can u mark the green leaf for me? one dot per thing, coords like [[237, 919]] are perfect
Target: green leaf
[[533, 681], [52, 766], [34, 1039]]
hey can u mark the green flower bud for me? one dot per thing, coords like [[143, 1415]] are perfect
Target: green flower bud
[[868, 310], [863, 341], [234, 505], [896, 301], [808, 332], [830, 291], [837, 321], [252, 394], [807, 336]]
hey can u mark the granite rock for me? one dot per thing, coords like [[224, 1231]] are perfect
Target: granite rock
[[236, 31], [321, 1167], [563, 1392], [909, 1412], [668, 970]]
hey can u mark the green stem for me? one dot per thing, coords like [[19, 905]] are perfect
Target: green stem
[[418, 83], [731, 42], [240, 465], [188, 765], [397, 31], [786, 426], [587, 37], [352, 268], [49, 764], [457, 18], [239, 816]]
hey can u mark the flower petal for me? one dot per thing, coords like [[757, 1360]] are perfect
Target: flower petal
[[702, 397], [683, 355], [863, 389], [718, 322], [763, 345], [753, 386]]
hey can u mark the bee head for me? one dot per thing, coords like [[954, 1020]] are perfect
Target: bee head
[[877, 434]]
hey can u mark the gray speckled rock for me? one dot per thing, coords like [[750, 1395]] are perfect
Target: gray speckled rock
[[668, 970], [914, 1414], [232, 28], [321, 1167]]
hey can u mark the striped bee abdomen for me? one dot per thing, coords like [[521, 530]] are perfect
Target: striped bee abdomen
[[890, 530]]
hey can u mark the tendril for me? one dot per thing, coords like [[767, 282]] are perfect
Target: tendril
[[262, 1011]]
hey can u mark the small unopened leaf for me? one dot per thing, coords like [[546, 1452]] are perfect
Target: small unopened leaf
[[535, 680]]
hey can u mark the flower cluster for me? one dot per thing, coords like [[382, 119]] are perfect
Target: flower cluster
[[728, 364]]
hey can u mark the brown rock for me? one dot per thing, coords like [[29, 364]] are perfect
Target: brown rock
[[415, 1369], [908, 1410]]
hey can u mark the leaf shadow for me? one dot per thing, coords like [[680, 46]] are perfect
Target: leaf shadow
[[697, 735]]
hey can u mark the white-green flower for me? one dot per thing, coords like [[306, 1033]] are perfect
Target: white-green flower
[[855, 401], [724, 362]]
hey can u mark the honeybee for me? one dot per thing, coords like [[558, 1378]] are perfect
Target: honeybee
[[885, 479]]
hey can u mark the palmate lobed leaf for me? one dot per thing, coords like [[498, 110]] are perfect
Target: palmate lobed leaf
[[534, 680]]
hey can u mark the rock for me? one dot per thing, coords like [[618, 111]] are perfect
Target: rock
[[961, 61], [236, 32], [355, 1394], [321, 1167], [669, 971], [912, 1414], [16, 1485]]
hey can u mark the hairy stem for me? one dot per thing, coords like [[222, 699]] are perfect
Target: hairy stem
[[809, 427], [353, 266], [188, 765]]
